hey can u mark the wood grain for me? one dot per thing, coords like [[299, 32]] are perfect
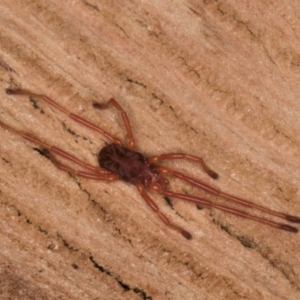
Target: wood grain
[[217, 79]]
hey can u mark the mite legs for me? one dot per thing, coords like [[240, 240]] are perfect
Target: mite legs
[[65, 111], [230, 210], [155, 208], [89, 175], [214, 191], [114, 103], [94, 171], [155, 159]]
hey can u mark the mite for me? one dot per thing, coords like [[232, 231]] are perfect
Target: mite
[[119, 161]]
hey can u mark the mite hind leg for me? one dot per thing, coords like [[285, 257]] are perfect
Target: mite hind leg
[[115, 104], [89, 175], [93, 172], [67, 112]]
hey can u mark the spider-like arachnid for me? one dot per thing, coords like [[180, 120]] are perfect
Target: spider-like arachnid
[[118, 161]]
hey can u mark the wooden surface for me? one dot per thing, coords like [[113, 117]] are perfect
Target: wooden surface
[[217, 79]]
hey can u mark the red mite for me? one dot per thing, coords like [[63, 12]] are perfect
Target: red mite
[[117, 161]]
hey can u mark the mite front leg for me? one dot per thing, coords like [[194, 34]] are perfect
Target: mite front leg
[[155, 208], [155, 159], [207, 188], [156, 187]]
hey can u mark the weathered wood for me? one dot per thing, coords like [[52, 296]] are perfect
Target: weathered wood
[[217, 79]]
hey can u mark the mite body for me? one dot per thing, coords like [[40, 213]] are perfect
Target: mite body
[[131, 166]]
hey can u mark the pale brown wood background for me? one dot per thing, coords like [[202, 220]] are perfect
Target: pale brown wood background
[[217, 79]]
